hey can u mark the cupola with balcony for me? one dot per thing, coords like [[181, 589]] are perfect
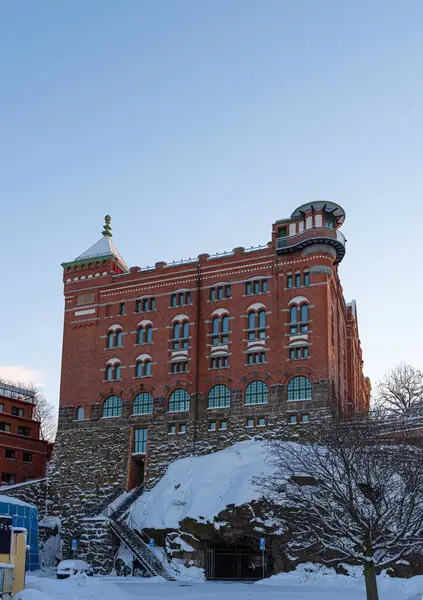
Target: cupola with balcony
[[313, 227]]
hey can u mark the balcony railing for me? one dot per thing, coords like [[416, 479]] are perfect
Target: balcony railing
[[315, 235]]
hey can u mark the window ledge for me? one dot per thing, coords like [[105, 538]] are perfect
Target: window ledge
[[256, 404]]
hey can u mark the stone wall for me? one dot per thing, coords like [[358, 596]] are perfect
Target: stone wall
[[33, 492], [97, 545]]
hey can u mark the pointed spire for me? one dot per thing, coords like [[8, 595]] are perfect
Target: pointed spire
[[107, 229]]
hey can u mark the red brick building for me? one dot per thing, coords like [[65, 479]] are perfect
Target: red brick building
[[23, 455], [194, 355]]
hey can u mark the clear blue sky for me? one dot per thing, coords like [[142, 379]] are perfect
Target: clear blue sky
[[197, 124]]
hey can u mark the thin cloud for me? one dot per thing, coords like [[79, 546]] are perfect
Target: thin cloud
[[20, 374]]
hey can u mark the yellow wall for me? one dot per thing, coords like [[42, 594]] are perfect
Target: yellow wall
[[17, 558]]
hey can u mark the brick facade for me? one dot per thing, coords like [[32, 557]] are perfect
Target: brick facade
[[107, 302], [23, 455]]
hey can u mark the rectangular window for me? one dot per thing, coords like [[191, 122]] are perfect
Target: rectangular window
[[256, 358], [256, 286], [172, 429], [17, 412], [179, 367], [298, 352], [122, 308], [27, 457], [264, 286], [188, 298], [289, 281], [297, 279], [305, 352], [23, 430], [8, 478], [306, 279], [261, 422], [223, 425], [249, 423], [212, 294], [248, 288], [4, 426], [292, 420], [212, 425], [305, 419], [173, 300], [140, 441], [137, 305], [292, 353], [227, 291], [10, 454], [182, 428], [181, 299], [220, 362], [152, 304], [220, 293], [145, 304], [1, 407]]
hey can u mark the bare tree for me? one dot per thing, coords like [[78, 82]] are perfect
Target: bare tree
[[401, 390], [43, 410], [348, 495]]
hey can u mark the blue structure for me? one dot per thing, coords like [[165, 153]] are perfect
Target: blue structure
[[24, 515]]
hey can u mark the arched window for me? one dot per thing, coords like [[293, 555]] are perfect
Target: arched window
[[145, 335], [143, 368], [304, 318], [219, 397], [80, 413], [180, 335], [119, 339], [299, 388], [111, 339], [112, 407], [109, 373], [293, 317], [220, 330], [256, 392], [117, 372], [143, 404], [257, 325], [179, 400]]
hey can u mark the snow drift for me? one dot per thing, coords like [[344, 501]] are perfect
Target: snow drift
[[202, 486]]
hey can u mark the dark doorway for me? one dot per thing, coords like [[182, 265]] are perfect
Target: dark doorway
[[235, 562], [136, 472]]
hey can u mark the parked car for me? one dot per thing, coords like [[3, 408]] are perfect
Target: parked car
[[66, 568]]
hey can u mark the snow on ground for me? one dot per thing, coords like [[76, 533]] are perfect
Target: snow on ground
[[307, 583], [202, 486]]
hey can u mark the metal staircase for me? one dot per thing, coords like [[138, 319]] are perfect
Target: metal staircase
[[140, 549]]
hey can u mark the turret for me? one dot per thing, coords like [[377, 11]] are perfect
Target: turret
[[313, 226], [101, 258]]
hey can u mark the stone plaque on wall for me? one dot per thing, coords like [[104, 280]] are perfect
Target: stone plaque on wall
[[85, 299]]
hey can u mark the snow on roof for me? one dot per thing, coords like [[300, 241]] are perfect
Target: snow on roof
[[202, 486], [104, 247], [10, 500]]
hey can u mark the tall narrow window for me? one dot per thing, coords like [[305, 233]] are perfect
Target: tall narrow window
[[140, 441], [117, 372], [140, 335], [304, 318], [248, 289], [176, 335], [80, 413], [119, 339], [261, 324], [149, 334], [306, 278], [215, 331], [111, 339], [185, 335], [138, 306], [293, 317], [147, 368], [109, 373], [122, 308], [297, 279], [289, 282], [212, 294], [227, 291]]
